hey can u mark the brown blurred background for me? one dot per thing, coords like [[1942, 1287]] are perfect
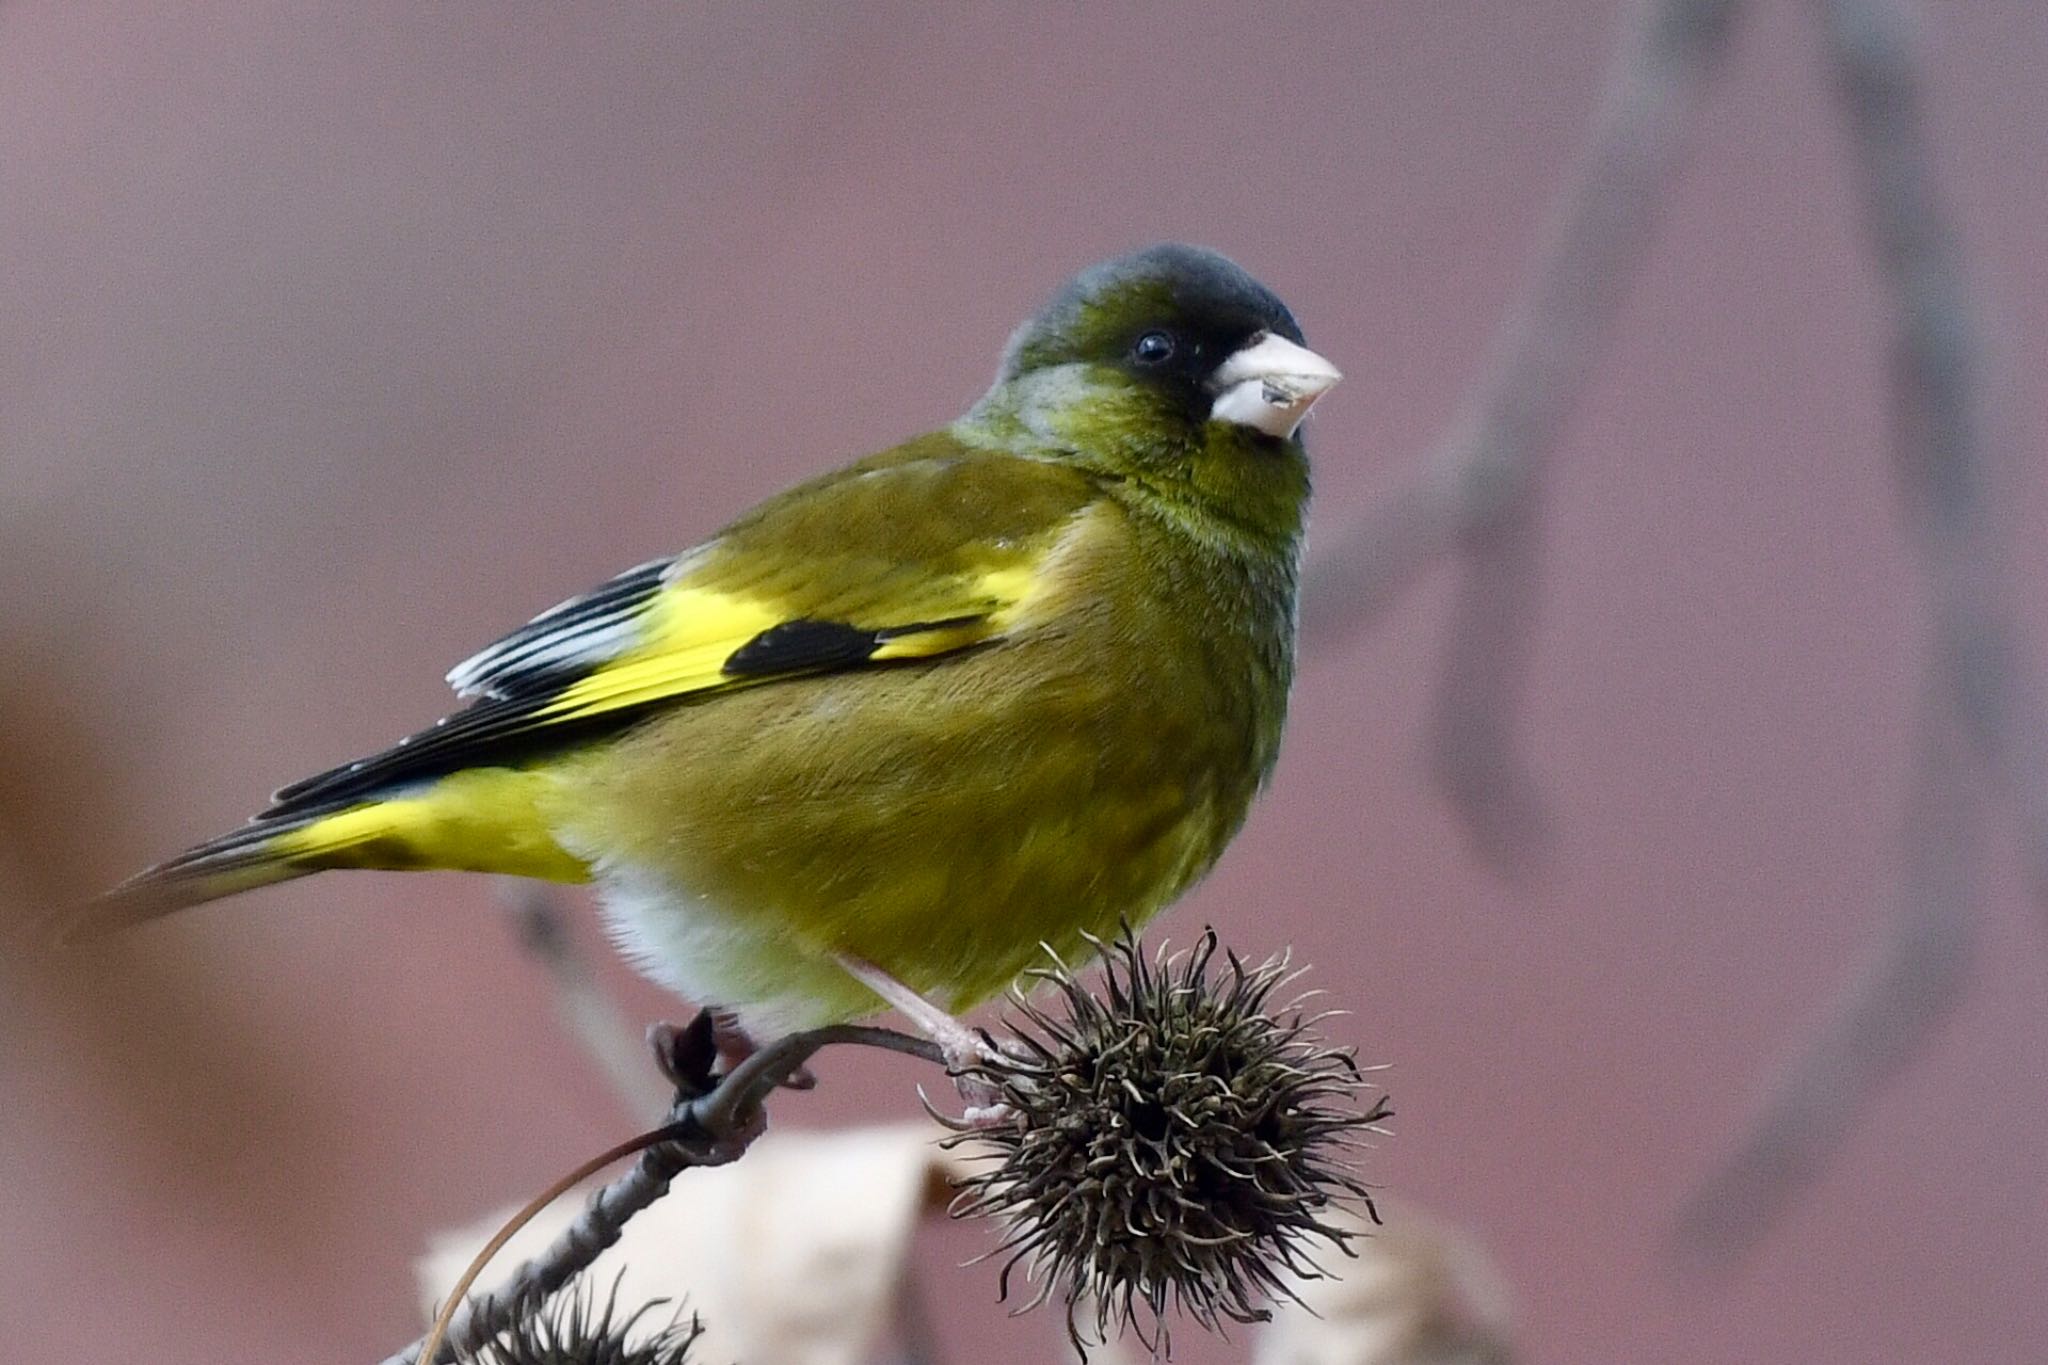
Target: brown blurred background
[[336, 339]]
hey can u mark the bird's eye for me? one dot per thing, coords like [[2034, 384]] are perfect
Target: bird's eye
[[1154, 348]]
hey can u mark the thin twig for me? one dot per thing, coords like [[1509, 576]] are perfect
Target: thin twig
[[1979, 680], [710, 1125], [1480, 489]]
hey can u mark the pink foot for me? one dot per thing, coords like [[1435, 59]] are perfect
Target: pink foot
[[965, 1048]]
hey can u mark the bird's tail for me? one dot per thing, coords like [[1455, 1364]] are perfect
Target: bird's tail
[[250, 857], [478, 820]]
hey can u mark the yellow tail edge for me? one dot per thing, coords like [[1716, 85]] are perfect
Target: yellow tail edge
[[480, 820]]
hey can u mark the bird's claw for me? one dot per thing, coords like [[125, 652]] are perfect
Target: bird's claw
[[975, 1118], [968, 1063]]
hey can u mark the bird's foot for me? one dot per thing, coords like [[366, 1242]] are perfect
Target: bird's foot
[[968, 1052], [694, 1057], [735, 1045]]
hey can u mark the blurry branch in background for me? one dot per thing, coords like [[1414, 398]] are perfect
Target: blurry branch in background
[[1983, 667], [1887, 1011], [588, 1014], [1480, 491], [1981, 711]]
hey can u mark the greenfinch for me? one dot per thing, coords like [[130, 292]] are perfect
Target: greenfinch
[[1006, 685]]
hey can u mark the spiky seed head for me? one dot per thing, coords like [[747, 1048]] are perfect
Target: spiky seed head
[[1178, 1141], [574, 1328]]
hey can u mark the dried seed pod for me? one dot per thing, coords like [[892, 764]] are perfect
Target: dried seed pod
[[574, 1328], [1176, 1141]]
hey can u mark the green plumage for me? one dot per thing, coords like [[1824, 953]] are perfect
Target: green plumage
[[1006, 684], [940, 818]]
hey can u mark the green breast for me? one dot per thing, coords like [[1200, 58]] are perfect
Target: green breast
[[943, 819]]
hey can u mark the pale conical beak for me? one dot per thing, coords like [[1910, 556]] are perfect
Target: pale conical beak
[[1270, 384]]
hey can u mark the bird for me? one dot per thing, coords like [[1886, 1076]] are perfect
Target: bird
[[892, 733]]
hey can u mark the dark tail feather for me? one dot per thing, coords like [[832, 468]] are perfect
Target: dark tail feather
[[233, 863]]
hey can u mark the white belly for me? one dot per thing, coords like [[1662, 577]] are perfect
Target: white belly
[[710, 957]]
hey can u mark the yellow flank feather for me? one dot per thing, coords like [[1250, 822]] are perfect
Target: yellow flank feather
[[481, 820]]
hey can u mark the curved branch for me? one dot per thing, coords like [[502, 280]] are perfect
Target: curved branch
[[1944, 475], [1480, 488], [712, 1122], [1878, 1023], [1982, 707]]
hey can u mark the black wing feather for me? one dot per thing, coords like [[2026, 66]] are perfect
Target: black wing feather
[[801, 644], [505, 730], [542, 656], [496, 732]]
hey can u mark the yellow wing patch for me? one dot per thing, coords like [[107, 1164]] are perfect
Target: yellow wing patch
[[689, 635], [692, 634], [492, 817], [934, 547], [997, 596]]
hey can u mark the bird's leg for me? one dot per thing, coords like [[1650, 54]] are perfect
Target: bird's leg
[[964, 1047]]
